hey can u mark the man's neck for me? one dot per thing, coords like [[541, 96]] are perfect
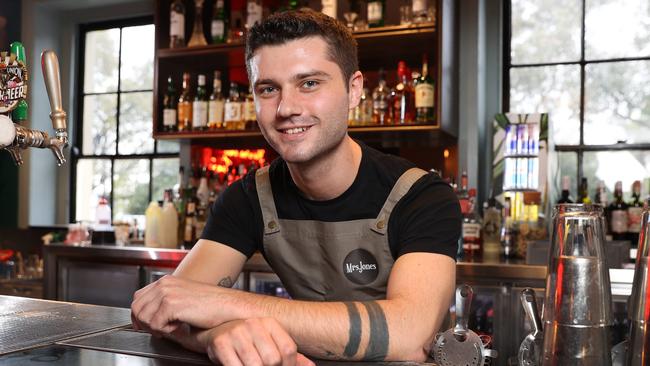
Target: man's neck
[[330, 176]]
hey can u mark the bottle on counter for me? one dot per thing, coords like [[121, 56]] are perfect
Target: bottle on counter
[[250, 118], [168, 233], [233, 116], [471, 229], [216, 104], [491, 230], [185, 105], [404, 100], [177, 25], [600, 195], [376, 13], [200, 106], [198, 38], [153, 216], [583, 192], [424, 95], [219, 23], [169, 107], [103, 216], [617, 212], [365, 108], [507, 235], [566, 194], [634, 214], [380, 99], [189, 220]]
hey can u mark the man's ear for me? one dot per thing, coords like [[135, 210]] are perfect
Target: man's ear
[[355, 86]]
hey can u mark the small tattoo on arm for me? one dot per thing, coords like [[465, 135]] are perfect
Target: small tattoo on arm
[[355, 330], [226, 282], [378, 343]]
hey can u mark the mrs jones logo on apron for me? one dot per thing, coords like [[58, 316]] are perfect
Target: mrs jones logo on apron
[[360, 267]]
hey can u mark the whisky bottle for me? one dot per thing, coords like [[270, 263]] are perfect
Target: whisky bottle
[[177, 25], [198, 38], [380, 96], [253, 13], [169, 107], [233, 119], [249, 110], [376, 13], [404, 100], [185, 105], [216, 104], [366, 108], [566, 194], [583, 192], [200, 106], [424, 95], [634, 214], [618, 214], [189, 220], [219, 23]]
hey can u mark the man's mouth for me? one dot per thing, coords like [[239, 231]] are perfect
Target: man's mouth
[[294, 130]]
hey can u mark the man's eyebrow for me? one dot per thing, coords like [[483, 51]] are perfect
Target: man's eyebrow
[[297, 77]]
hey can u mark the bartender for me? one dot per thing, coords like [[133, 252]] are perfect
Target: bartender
[[363, 241]]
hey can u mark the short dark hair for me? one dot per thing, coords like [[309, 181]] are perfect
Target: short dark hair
[[282, 27]]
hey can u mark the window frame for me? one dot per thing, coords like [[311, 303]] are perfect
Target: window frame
[[581, 147], [77, 149]]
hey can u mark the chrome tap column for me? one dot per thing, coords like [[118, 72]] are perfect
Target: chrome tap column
[[577, 309]]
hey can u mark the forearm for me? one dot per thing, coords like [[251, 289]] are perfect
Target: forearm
[[373, 330]]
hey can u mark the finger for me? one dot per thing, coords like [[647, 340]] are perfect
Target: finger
[[219, 352], [242, 341], [285, 344], [302, 360], [265, 344]]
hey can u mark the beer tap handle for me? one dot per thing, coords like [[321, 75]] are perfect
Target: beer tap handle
[[50, 66]]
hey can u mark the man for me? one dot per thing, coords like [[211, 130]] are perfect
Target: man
[[363, 241]]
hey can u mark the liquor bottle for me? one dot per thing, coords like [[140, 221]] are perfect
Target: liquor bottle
[[380, 102], [376, 13], [507, 236], [169, 107], [216, 104], [189, 220], [329, 8], [618, 214], [233, 119], [200, 106], [583, 192], [471, 229], [219, 23], [419, 9], [404, 100], [177, 25], [19, 114], [491, 230], [198, 38], [185, 105], [634, 214], [600, 196], [424, 95], [250, 117], [566, 185], [168, 223], [365, 108], [253, 13]]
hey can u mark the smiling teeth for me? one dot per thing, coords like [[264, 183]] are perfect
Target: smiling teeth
[[295, 130]]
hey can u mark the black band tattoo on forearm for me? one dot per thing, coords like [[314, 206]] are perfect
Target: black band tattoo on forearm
[[355, 330], [226, 282], [378, 343]]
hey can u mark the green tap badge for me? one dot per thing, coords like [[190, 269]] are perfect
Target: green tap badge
[[13, 81]]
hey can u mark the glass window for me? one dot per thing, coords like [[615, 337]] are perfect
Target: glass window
[[119, 158], [594, 84]]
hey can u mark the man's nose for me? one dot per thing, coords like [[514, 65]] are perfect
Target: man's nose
[[289, 105]]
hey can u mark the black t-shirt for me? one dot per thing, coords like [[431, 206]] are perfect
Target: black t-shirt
[[426, 219]]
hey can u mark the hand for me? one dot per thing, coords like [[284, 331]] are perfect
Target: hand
[[255, 341], [161, 307]]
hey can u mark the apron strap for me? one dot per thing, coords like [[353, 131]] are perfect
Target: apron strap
[[265, 196], [401, 187]]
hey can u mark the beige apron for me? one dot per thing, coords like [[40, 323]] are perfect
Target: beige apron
[[331, 261]]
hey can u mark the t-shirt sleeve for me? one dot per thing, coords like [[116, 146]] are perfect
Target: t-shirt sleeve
[[230, 220], [427, 219]]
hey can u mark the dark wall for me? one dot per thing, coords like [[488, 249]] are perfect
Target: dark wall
[[9, 32]]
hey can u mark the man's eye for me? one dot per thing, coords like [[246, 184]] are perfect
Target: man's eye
[[266, 90], [310, 84]]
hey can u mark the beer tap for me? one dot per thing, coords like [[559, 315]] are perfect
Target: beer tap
[[15, 137]]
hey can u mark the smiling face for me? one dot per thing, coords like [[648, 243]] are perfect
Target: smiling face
[[301, 99]]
